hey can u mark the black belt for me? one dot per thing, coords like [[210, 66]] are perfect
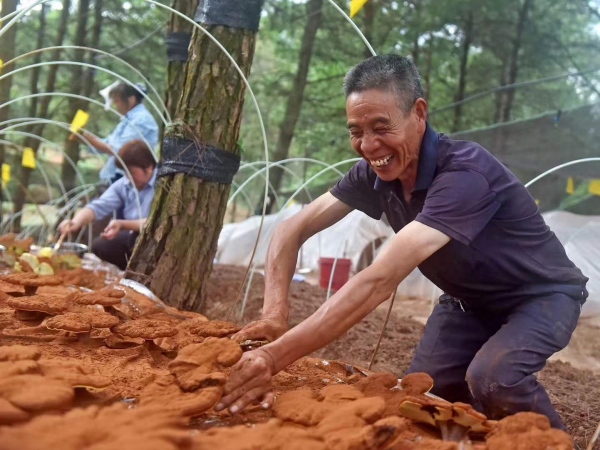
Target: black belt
[[446, 299]]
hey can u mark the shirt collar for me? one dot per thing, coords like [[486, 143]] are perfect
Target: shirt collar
[[151, 182], [427, 164], [132, 112]]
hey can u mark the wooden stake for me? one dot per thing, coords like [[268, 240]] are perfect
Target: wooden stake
[[594, 438], [392, 298]]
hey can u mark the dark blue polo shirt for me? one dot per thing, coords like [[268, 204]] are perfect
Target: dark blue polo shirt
[[500, 245]]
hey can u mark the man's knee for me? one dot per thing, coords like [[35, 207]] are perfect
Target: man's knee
[[493, 383]]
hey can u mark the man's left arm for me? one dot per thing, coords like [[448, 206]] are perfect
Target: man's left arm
[[358, 297], [361, 294]]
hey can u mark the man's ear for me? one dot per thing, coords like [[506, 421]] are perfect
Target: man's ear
[[420, 109]]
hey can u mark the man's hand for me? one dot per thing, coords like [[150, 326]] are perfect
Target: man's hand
[[68, 226], [249, 380], [269, 329], [111, 231]]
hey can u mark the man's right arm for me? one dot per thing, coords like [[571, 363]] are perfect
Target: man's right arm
[[281, 260]]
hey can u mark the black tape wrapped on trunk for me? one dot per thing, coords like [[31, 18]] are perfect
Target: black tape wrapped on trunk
[[199, 160], [243, 14], [177, 46]]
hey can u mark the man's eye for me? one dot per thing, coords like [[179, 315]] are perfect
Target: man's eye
[[355, 134]]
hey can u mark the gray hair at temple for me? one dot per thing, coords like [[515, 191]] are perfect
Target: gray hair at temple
[[386, 72]]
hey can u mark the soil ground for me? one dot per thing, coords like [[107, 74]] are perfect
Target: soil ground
[[574, 390]]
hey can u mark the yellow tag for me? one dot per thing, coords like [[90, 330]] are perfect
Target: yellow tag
[[570, 186], [5, 174], [594, 187], [79, 121], [356, 6], [28, 158], [1, 63]]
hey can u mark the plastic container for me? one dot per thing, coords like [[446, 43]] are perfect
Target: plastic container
[[340, 276]]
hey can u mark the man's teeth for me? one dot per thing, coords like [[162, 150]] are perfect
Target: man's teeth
[[381, 162]]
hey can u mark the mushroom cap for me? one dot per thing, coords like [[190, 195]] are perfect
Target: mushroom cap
[[416, 383], [102, 428], [74, 374], [465, 415], [426, 410], [102, 320], [11, 368], [213, 328], [36, 393], [111, 291], [146, 329], [72, 322], [9, 413], [95, 298], [199, 365], [19, 352], [32, 279], [81, 322], [165, 393], [41, 303], [116, 341]]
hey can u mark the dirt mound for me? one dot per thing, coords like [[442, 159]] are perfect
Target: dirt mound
[[64, 379], [574, 392]]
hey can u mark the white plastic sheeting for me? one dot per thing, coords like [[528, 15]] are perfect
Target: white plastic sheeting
[[581, 237], [350, 237], [346, 239]]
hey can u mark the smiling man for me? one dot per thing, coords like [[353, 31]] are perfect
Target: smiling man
[[511, 298]]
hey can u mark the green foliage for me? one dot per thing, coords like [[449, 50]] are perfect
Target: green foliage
[[559, 36]]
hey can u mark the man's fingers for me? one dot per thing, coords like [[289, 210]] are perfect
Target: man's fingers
[[248, 397], [252, 332], [267, 400]]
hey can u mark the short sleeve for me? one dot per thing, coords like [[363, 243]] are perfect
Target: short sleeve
[[460, 204], [110, 201], [356, 189]]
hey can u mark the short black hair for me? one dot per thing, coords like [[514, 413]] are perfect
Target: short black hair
[[135, 154], [124, 90], [393, 72]]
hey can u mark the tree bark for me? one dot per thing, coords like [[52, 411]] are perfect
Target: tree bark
[[89, 83], [54, 56], [429, 67], [175, 251], [7, 52], [415, 47], [176, 69], [514, 60], [462, 79], [76, 87], [369, 26], [25, 173], [294, 101]]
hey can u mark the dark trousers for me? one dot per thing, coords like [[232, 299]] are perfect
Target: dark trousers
[[116, 251], [489, 357]]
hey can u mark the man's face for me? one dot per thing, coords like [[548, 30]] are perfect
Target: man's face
[[382, 133], [122, 106], [140, 177]]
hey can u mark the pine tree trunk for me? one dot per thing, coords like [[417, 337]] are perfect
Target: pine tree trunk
[[462, 80], [76, 87], [89, 82], [294, 101], [175, 251], [176, 69], [7, 52], [514, 59], [369, 27], [25, 173]]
